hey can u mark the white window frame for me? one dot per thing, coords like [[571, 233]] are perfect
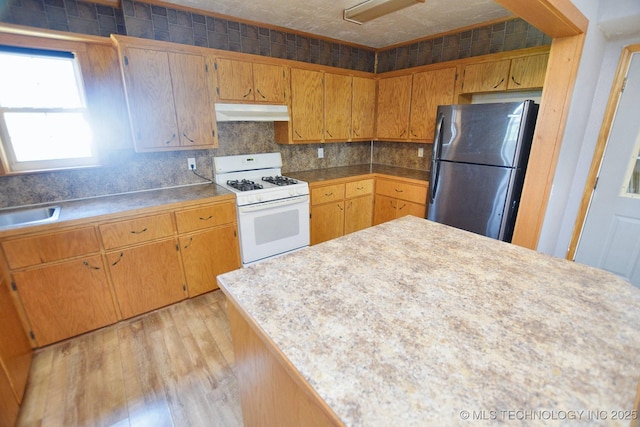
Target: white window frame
[[12, 165]]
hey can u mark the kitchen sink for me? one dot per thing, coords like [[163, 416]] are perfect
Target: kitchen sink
[[29, 216]]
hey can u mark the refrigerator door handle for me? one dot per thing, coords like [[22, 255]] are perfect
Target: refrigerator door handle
[[435, 163]]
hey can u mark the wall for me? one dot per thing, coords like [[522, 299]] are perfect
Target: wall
[[595, 77]]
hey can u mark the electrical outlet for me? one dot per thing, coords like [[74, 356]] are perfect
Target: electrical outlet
[[191, 163], [321, 153], [420, 152]]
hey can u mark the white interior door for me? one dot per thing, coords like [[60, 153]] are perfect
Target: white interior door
[[611, 235]]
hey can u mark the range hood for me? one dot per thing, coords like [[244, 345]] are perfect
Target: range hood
[[251, 113]]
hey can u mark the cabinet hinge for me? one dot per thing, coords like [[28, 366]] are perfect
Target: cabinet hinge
[[213, 133], [206, 68], [177, 248], [624, 85], [184, 287], [215, 66], [126, 60], [595, 184], [13, 286], [32, 335], [218, 91]]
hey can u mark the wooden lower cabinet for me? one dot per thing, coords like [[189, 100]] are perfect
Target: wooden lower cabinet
[[66, 299], [15, 358], [398, 197], [340, 208], [146, 277], [207, 254]]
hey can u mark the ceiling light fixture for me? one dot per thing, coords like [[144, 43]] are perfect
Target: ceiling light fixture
[[372, 9]]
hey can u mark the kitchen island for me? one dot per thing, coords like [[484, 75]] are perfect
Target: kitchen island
[[415, 323]]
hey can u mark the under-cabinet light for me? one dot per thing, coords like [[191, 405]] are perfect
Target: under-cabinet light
[[372, 9]]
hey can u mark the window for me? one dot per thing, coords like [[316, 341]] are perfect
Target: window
[[43, 116]]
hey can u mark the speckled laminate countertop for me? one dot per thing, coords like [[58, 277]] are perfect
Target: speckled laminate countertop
[[318, 175], [412, 323], [105, 206]]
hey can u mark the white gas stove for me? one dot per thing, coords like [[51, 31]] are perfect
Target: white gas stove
[[273, 210]]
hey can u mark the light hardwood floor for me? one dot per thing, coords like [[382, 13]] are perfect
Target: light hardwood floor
[[171, 367]]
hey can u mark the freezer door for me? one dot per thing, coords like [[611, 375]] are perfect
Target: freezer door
[[489, 134], [474, 198]]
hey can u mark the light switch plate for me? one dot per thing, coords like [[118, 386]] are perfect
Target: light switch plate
[[420, 152], [321, 153]]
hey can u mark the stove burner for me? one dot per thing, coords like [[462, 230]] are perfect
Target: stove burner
[[244, 185], [279, 180]]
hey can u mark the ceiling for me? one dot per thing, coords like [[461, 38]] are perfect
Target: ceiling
[[324, 18]]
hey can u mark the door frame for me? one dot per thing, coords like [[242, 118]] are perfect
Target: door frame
[[601, 145]]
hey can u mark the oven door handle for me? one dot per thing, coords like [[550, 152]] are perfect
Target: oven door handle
[[273, 204]]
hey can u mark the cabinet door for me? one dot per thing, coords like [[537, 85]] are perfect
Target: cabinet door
[[15, 349], [528, 72], [146, 277], [327, 222], [358, 213], [268, 83], [207, 254], [408, 208], [235, 80], [486, 77], [8, 404], [429, 89], [363, 113], [394, 95], [307, 105], [67, 299], [384, 209], [337, 107], [150, 99], [193, 101]]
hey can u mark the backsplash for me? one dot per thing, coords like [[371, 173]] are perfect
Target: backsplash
[[145, 171]]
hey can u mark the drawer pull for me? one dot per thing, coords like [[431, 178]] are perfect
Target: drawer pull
[[86, 264], [360, 188], [138, 232], [401, 207], [118, 260], [207, 218], [328, 194], [399, 191]]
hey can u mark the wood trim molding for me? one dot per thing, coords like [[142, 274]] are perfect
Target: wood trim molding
[[556, 18], [564, 59], [601, 144]]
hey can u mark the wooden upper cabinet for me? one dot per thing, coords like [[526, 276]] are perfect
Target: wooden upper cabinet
[[170, 104], [363, 112], [307, 105], [250, 82], [394, 96], [337, 107], [429, 89], [486, 76], [528, 72]]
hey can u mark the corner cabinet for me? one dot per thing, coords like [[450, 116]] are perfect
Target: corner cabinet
[[249, 81], [169, 96]]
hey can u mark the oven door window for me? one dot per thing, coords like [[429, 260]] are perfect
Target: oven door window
[[273, 228]]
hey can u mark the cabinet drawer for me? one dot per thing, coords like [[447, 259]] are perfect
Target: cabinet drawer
[[358, 188], [402, 190], [327, 193], [204, 217], [50, 247], [136, 230]]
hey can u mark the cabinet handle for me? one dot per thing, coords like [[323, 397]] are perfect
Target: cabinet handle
[[207, 218], [360, 188], [171, 140], [413, 133], [185, 135], [86, 264], [499, 83], [298, 133], [188, 244], [514, 80], [402, 207], [247, 94], [350, 204], [213, 133], [356, 132], [260, 93], [138, 232], [328, 194], [338, 205], [398, 191], [403, 132], [330, 134], [118, 260]]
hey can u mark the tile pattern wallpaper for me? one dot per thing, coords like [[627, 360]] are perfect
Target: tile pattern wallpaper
[[501, 37]]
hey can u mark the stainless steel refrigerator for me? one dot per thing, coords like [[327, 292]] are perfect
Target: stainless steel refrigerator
[[480, 155]]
